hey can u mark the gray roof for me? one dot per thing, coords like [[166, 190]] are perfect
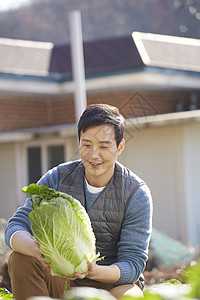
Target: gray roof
[[168, 51], [25, 57], [103, 57]]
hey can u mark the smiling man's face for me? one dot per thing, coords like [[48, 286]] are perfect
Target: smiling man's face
[[99, 151]]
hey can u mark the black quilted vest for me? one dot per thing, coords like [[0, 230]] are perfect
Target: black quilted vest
[[107, 212]]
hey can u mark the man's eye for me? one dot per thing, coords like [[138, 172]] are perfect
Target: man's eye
[[104, 147], [87, 145]]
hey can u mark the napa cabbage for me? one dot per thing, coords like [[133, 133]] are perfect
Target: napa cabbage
[[62, 229], [5, 294], [87, 293]]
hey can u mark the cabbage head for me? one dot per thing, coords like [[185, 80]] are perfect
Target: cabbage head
[[88, 293], [5, 294], [62, 229]]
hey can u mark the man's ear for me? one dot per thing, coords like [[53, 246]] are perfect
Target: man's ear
[[121, 146]]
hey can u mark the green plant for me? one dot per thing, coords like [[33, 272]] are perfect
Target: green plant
[[5, 294], [192, 276]]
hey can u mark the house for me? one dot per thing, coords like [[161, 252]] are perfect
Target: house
[[155, 82]]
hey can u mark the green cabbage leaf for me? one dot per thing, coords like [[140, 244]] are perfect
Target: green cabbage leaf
[[5, 294], [62, 229]]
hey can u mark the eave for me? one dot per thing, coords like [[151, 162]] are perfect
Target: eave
[[147, 78]]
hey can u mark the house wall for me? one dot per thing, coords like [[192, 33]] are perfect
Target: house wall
[[7, 180], [28, 111], [156, 155], [139, 103], [31, 111], [192, 180]]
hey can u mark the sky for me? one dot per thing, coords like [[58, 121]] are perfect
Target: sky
[[10, 4]]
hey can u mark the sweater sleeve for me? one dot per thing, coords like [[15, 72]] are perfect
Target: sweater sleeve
[[20, 220], [135, 236]]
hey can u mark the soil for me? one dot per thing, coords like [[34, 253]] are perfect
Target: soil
[[161, 274]]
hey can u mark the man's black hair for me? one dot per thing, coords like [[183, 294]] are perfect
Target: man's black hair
[[100, 114]]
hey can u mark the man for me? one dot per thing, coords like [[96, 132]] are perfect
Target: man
[[119, 206]]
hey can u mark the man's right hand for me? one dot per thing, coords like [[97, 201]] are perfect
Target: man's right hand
[[23, 242]]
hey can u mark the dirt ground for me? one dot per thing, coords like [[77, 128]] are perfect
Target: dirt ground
[[161, 274]]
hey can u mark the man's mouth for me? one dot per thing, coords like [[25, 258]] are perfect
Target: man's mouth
[[95, 164]]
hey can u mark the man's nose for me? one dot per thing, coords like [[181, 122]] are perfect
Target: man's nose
[[95, 152]]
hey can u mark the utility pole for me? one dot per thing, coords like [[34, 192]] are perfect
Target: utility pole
[[78, 69]]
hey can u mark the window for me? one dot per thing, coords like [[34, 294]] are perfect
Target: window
[[34, 164], [42, 158], [55, 156]]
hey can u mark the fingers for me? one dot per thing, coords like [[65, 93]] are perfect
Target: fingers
[[90, 264], [80, 276], [76, 276], [39, 255], [41, 258]]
